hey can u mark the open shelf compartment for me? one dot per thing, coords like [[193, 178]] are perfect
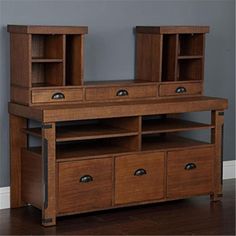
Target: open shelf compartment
[[155, 125], [93, 129], [191, 44]]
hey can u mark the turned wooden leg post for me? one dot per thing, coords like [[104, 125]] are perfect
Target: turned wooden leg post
[[17, 141], [49, 174], [217, 138]]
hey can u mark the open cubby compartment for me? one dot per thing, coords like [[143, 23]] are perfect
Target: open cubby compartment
[[168, 124], [47, 74], [92, 129], [168, 141], [191, 44], [169, 57], [190, 69], [74, 59], [97, 129], [46, 47], [96, 147]]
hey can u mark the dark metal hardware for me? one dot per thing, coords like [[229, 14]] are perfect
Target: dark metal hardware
[[86, 179], [47, 221], [58, 96], [181, 90], [46, 126], [190, 166], [122, 92], [45, 172], [140, 172]]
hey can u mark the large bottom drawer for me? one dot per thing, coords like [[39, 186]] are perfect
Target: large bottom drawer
[[84, 185], [189, 172], [139, 177]]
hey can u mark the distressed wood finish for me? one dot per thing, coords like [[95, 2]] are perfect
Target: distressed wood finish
[[47, 95], [40, 29], [148, 57], [112, 93], [136, 188], [217, 138], [17, 141], [115, 143], [172, 29], [183, 182], [119, 109], [75, 195], [172, 89], [31, 181]]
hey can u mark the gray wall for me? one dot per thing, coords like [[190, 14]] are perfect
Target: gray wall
[[110, 44]]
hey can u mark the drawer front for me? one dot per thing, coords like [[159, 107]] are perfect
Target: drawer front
[[84, 185], [189, 172], [56, 96], [180, 89], [139, 178], [126, 92]]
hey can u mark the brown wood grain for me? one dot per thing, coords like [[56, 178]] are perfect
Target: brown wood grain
[[78, 196], [217, 119], [130, 188], [45, 96], [74, 59], [172, 29], [41, 29], [110, 93], [170, 89], [20, 47], [17, 141], [182, 182], [31, 180], [20, 95]]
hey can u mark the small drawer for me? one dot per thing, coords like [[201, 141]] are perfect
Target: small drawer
[[189, 172], [180, 89], [126, 92], [139, 178], [56, 95], [84, 185]]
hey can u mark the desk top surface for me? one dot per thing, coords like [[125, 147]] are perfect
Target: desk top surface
[[67, 112]]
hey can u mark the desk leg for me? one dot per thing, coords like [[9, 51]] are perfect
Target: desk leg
[[217, 138], [49, 174], [18, 140]]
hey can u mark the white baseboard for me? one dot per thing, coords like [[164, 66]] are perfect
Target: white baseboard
[[228, 173], [229, 169], [4, 197]]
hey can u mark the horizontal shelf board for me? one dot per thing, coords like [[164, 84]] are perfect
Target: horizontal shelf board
[[190, 57], [170, 142], [84, 132], [171, 125], [43, 85], [84, 150], [37, 132], [46, 60]]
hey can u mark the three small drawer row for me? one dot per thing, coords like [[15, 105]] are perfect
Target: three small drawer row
[[112, 93]]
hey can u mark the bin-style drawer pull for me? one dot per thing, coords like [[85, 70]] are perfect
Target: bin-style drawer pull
[[58, 96], [140, 172], [122, 92], [86, 179], [181, 90], [190, 166]]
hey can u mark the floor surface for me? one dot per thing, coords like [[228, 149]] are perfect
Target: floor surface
[[195, 216]]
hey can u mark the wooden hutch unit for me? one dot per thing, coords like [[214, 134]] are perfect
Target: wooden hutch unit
[[104, 145]]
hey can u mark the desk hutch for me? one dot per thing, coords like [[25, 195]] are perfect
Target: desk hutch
[[110, 144]]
